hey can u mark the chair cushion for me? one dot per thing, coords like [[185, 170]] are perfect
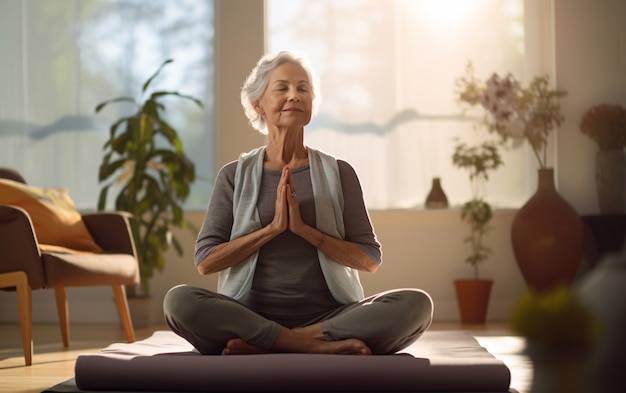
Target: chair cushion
[[55, 219], [76, 270]]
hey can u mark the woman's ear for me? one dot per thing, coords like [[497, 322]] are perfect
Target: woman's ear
[[257, 107]]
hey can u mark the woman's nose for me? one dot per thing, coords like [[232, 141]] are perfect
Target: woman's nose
[[294, 95]]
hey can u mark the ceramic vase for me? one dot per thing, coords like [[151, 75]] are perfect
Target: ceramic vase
[[547, 237], [611, 181], [436, 198]]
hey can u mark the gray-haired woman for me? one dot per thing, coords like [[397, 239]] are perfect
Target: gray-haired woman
[[287, 231]]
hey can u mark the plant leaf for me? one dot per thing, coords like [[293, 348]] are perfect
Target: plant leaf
[[147, 83], [158, 94], [102, 198], [118, 99], [108, 169]]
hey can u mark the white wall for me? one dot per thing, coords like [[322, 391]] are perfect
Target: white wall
[[590, 66], [421, 248]]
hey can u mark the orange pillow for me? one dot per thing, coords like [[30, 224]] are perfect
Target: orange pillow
[[55, 219]]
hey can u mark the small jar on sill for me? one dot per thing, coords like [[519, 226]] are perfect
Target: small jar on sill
[[436, 198]]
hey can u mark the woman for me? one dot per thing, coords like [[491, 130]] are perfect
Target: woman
[[287, 230]]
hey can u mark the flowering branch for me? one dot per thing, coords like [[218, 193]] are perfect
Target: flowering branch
[[514, 112]]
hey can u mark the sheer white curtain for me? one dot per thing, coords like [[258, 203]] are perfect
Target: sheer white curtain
[[388, 70], [60, 58]]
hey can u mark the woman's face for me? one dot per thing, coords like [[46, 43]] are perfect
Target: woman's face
[[287, 100]]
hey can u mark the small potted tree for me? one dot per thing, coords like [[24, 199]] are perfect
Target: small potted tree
[[473, 294], [145, 163]]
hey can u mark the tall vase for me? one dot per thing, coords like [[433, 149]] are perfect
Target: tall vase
[[547, 237], [611, 181]]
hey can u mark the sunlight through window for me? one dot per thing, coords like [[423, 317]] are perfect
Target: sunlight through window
[[388, 72]]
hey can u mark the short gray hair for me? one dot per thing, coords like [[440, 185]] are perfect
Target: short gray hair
[[256, 83]]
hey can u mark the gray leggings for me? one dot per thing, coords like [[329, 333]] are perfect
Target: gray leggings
[[386, 322]]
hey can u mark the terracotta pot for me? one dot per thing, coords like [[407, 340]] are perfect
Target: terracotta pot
[[473, 299], [547, 236]]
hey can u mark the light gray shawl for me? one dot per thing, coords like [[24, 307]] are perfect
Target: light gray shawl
[[236, 281]]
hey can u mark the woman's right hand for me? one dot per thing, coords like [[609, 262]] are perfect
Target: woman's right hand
[[280, 223], [232, 252]]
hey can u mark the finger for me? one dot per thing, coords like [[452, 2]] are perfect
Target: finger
[[291, 191], [281, 214], [290, 180], [284, 178]]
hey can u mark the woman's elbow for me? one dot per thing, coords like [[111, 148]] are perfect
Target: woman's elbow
[[203, 269], [372, 266]]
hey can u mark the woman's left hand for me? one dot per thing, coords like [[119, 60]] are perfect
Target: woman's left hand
[[341, 251], [295, 220]]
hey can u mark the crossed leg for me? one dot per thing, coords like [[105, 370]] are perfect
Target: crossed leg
[[215, 324]]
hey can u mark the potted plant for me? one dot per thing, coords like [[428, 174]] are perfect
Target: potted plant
[[145, 163], [473, 294], [516, 114], [561, 332], [605, 124]]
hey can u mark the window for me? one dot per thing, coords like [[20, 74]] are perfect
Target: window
[[388, 72], [61, 58]]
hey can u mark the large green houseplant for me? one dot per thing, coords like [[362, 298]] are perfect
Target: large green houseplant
[[145, 163], [479, 161]]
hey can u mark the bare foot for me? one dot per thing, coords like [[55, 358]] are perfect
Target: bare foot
[[350, 346], [237, 346]]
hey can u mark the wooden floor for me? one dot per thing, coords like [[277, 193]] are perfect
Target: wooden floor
[[53, 364]]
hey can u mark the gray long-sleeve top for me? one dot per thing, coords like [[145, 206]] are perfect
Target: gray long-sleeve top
[[288, 281]]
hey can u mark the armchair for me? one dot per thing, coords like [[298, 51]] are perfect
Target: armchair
[[25, 264]]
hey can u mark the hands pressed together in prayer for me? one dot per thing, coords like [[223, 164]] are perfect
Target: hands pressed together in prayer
[[287, 212]]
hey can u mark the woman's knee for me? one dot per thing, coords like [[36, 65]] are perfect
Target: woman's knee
[[179, 301], [418, 305]]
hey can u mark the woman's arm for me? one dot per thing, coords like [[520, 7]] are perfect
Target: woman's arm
[[341, 251], [214, 249], [360, 249], [230, 253]]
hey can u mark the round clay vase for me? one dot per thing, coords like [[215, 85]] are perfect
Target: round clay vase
[[473, 299], [611, 181], [547, 237]]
